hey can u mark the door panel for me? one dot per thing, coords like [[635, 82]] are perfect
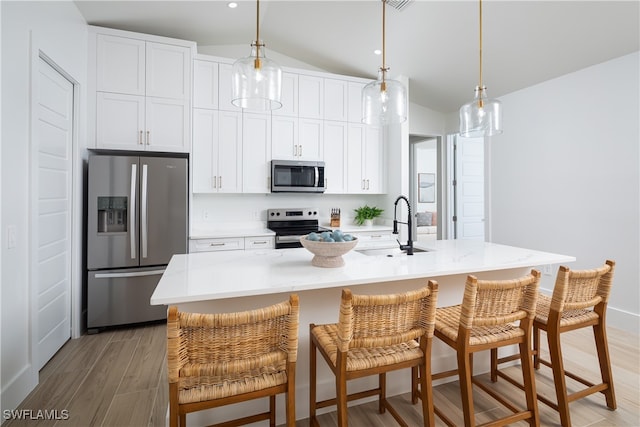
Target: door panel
[[163, 209], [470, 188], [53, 201], [112, 223]]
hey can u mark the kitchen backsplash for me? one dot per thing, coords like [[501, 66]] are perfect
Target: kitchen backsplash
[[234, 208]]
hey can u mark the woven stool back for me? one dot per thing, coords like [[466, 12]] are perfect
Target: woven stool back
[[577, 290]]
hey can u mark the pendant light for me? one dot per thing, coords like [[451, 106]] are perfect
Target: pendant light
[[256, 80], [384, 101], [482, 116]]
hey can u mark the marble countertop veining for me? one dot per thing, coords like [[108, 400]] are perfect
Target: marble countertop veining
[[216, 275]]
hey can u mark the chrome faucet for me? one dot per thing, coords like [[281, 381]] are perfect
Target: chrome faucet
[[409, 246]]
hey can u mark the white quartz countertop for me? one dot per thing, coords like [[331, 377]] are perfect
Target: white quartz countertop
[[216, 275]]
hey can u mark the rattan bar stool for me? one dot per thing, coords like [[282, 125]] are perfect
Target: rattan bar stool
[[220, 359], [579, 300], [376, 334], [493, 313]]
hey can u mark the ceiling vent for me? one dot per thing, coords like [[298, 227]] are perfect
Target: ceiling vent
[[399, 4]]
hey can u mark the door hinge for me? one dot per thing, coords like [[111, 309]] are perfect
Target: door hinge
[[455, 182], [455, 218]]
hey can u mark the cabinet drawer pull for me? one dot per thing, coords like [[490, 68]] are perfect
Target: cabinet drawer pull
[[219, 181], [217, 244], [148, 137], [261, 242], [140, 138]]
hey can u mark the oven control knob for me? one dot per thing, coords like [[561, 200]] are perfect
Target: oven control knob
[[273, 213], [309, 213]]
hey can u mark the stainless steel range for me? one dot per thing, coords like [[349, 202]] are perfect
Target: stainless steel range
[[290, 224]]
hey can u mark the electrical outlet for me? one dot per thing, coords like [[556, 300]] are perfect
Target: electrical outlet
[[256, 215], [11, 236], [205, 215], [546, 269]]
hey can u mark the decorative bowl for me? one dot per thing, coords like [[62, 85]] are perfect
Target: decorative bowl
[[328, 254]]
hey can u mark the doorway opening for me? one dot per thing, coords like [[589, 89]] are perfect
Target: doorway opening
[[425, 183]]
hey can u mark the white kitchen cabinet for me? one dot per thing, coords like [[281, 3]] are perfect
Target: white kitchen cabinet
[[365, 154], [289, 96], [224, 88], [256, 153], [354, 114], [310, 97], [217, 244], [133, 122], [139, 67], [143, 92], [310, 139], [217, 151], [284, 138], [335, 156], [205, 84], [259, 242], [336, 97]]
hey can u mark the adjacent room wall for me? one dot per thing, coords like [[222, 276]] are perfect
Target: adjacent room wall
[[58, 29], [565, 175]]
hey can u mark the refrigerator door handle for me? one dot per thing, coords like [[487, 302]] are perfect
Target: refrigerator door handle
[[143, 212], [131, 274], [132, 210]]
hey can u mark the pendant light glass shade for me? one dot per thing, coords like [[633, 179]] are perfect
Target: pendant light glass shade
[[384, 101], [481, 117], [256, 81]]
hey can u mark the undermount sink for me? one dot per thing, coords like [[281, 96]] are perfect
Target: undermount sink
[[390, 252]]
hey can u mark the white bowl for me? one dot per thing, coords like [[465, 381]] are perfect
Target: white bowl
[[328, 254]]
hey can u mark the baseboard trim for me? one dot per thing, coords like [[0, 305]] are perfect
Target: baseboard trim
[[621, 319]]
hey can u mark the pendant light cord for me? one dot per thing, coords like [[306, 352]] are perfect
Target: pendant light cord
[[257, 61], [480, 38], [383, 69]]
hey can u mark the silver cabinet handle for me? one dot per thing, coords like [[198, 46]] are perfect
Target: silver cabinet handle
[[140, 138], [148, 137], [300, 153], [132, 210], [217, 244], [295, 150], [143, 212], [220, 181], [362, 187], [261, 242], [214, 182]]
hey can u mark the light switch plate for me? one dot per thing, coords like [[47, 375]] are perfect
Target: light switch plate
[[11, 236]]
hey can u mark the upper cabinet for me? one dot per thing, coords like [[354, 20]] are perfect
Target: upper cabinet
[[205, 84], [142, 92], [336, 99], [310, 97]]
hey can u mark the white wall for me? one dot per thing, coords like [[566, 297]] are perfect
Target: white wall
[[427, 162], [58, 30], [240, 51], [565, 174]]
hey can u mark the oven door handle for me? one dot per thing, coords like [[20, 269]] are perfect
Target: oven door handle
[[284, 239]]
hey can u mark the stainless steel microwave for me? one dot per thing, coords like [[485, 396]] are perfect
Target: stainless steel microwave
[[297, 176]]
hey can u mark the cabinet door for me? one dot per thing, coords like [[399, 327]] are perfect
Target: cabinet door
[[120, 65], [284, 138], [229, 146], [355, 102], [335, 155], [120, 121], [355, 151], [168, 71], [224, 88], [310, 96], [167, 123], [205, 127], [373, 158], [310, 139], [205, 84], [256, 153], [289, 96], [335, 99]]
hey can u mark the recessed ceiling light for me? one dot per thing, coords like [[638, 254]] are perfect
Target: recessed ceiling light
[[377, 52], [232, 5]]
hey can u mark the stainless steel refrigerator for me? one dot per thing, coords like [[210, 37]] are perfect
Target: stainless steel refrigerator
[[137, 219]]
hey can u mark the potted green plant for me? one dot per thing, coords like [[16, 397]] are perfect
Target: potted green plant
[[365, 214]]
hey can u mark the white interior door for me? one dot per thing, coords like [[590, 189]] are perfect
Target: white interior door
[[52, 196], [469, 169]]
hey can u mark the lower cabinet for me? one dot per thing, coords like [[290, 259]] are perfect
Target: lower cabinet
[[231, 243]]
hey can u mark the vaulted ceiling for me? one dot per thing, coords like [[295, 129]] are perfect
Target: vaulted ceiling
[[433, 43]]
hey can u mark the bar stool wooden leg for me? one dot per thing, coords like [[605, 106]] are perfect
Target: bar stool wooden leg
[[557, 365], [272, 410], [382, 385], [312, 379], [536, 347], [414, 385], [426, 387], [466, 388], [341, 391], [600, 335], [529, 383]]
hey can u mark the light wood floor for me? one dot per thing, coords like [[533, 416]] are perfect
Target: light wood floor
[[118, 378]]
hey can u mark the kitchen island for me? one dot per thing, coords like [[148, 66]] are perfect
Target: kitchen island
[[242, 280]]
